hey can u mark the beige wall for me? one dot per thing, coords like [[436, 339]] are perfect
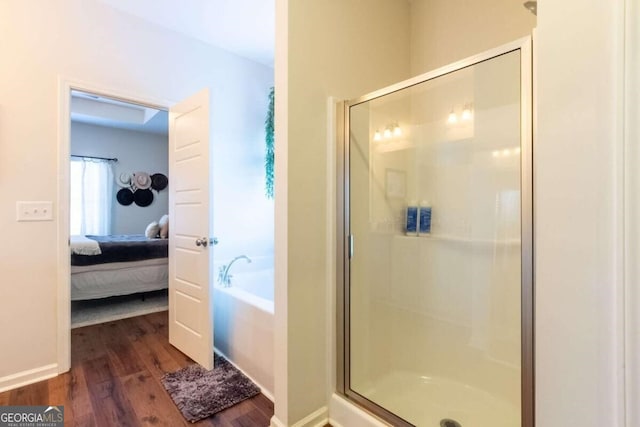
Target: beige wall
[[87, 41], [632, 226], [445, 31], [340, 48], [578, 213]]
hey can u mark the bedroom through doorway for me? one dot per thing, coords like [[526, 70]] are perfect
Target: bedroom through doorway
[[118, 209]]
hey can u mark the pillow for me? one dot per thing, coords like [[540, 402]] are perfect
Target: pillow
[[164, 230], [164, 226], [152, 230], [163, 220]]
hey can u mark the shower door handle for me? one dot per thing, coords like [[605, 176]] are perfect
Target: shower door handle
[[350, 245]]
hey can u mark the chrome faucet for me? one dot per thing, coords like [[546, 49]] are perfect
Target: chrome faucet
[[224, 278]]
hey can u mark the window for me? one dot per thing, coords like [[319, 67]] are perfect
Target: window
[[91, 196]]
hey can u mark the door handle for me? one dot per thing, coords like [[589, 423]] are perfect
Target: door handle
[[350, 244], [205, 241]]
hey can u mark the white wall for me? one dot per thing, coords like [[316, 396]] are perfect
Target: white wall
[[87, 41], [578, 213], [340, 48], [243, 218], [632, 212], [135, 151]]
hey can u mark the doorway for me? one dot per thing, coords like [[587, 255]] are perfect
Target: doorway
[[118, 201], [183, 125], [65, 89]]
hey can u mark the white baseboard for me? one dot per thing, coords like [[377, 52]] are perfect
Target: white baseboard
[[319, 418], [275, 422], [30, 376]]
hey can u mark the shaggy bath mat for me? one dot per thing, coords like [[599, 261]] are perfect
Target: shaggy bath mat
[[199, 393]]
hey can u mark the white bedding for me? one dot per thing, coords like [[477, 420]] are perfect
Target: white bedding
[[119, 278], [81, 245], [118, 265]]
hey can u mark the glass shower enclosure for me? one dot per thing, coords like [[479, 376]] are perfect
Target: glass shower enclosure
[[435, 265]]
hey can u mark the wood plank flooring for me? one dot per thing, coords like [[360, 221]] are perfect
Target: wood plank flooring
[[115, 380]]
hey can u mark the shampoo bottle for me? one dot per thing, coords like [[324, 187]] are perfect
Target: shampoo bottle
[[411, 228], [424, 218]]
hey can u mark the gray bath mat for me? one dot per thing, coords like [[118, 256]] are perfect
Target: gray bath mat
[[199, 393]]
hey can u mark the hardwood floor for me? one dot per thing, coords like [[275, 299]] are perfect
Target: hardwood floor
[[115, 380]]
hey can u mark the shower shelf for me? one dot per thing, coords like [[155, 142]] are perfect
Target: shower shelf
[[456, 239]]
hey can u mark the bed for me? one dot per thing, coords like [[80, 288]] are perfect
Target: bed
[[106, 266]]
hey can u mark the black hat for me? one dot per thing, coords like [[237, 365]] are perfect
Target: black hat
[[125, 196], [143, 198], [159, 181]]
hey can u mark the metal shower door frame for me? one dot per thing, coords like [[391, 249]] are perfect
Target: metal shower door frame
[[524, 45]]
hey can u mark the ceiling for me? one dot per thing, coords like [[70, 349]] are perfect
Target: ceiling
[[103, 111], [244, 27]]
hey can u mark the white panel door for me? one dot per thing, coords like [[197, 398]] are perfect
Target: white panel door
[[190, 304]]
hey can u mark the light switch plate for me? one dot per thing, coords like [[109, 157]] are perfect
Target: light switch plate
[[34, 211]]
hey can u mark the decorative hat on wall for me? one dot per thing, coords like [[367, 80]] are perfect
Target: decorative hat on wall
[[124, 180], [137, 187], [143, 197], [159, 181], [141, 180], [125, 196]]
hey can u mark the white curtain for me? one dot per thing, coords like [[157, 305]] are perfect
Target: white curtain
[[91, 196]]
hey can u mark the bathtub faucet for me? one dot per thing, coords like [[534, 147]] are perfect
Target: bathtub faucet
[[224, 278]]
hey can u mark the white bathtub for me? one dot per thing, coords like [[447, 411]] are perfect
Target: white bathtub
[[243, 330], [257, 282]]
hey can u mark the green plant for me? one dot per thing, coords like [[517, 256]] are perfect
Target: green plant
[[269, 140]]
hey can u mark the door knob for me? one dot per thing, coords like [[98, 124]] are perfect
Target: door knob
[[205, 241]]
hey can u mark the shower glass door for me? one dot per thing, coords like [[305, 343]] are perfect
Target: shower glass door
[[438, 222]]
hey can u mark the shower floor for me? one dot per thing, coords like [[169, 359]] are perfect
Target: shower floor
[[424, 401]]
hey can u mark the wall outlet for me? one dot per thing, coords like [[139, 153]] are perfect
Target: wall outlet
[[34, 211]]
